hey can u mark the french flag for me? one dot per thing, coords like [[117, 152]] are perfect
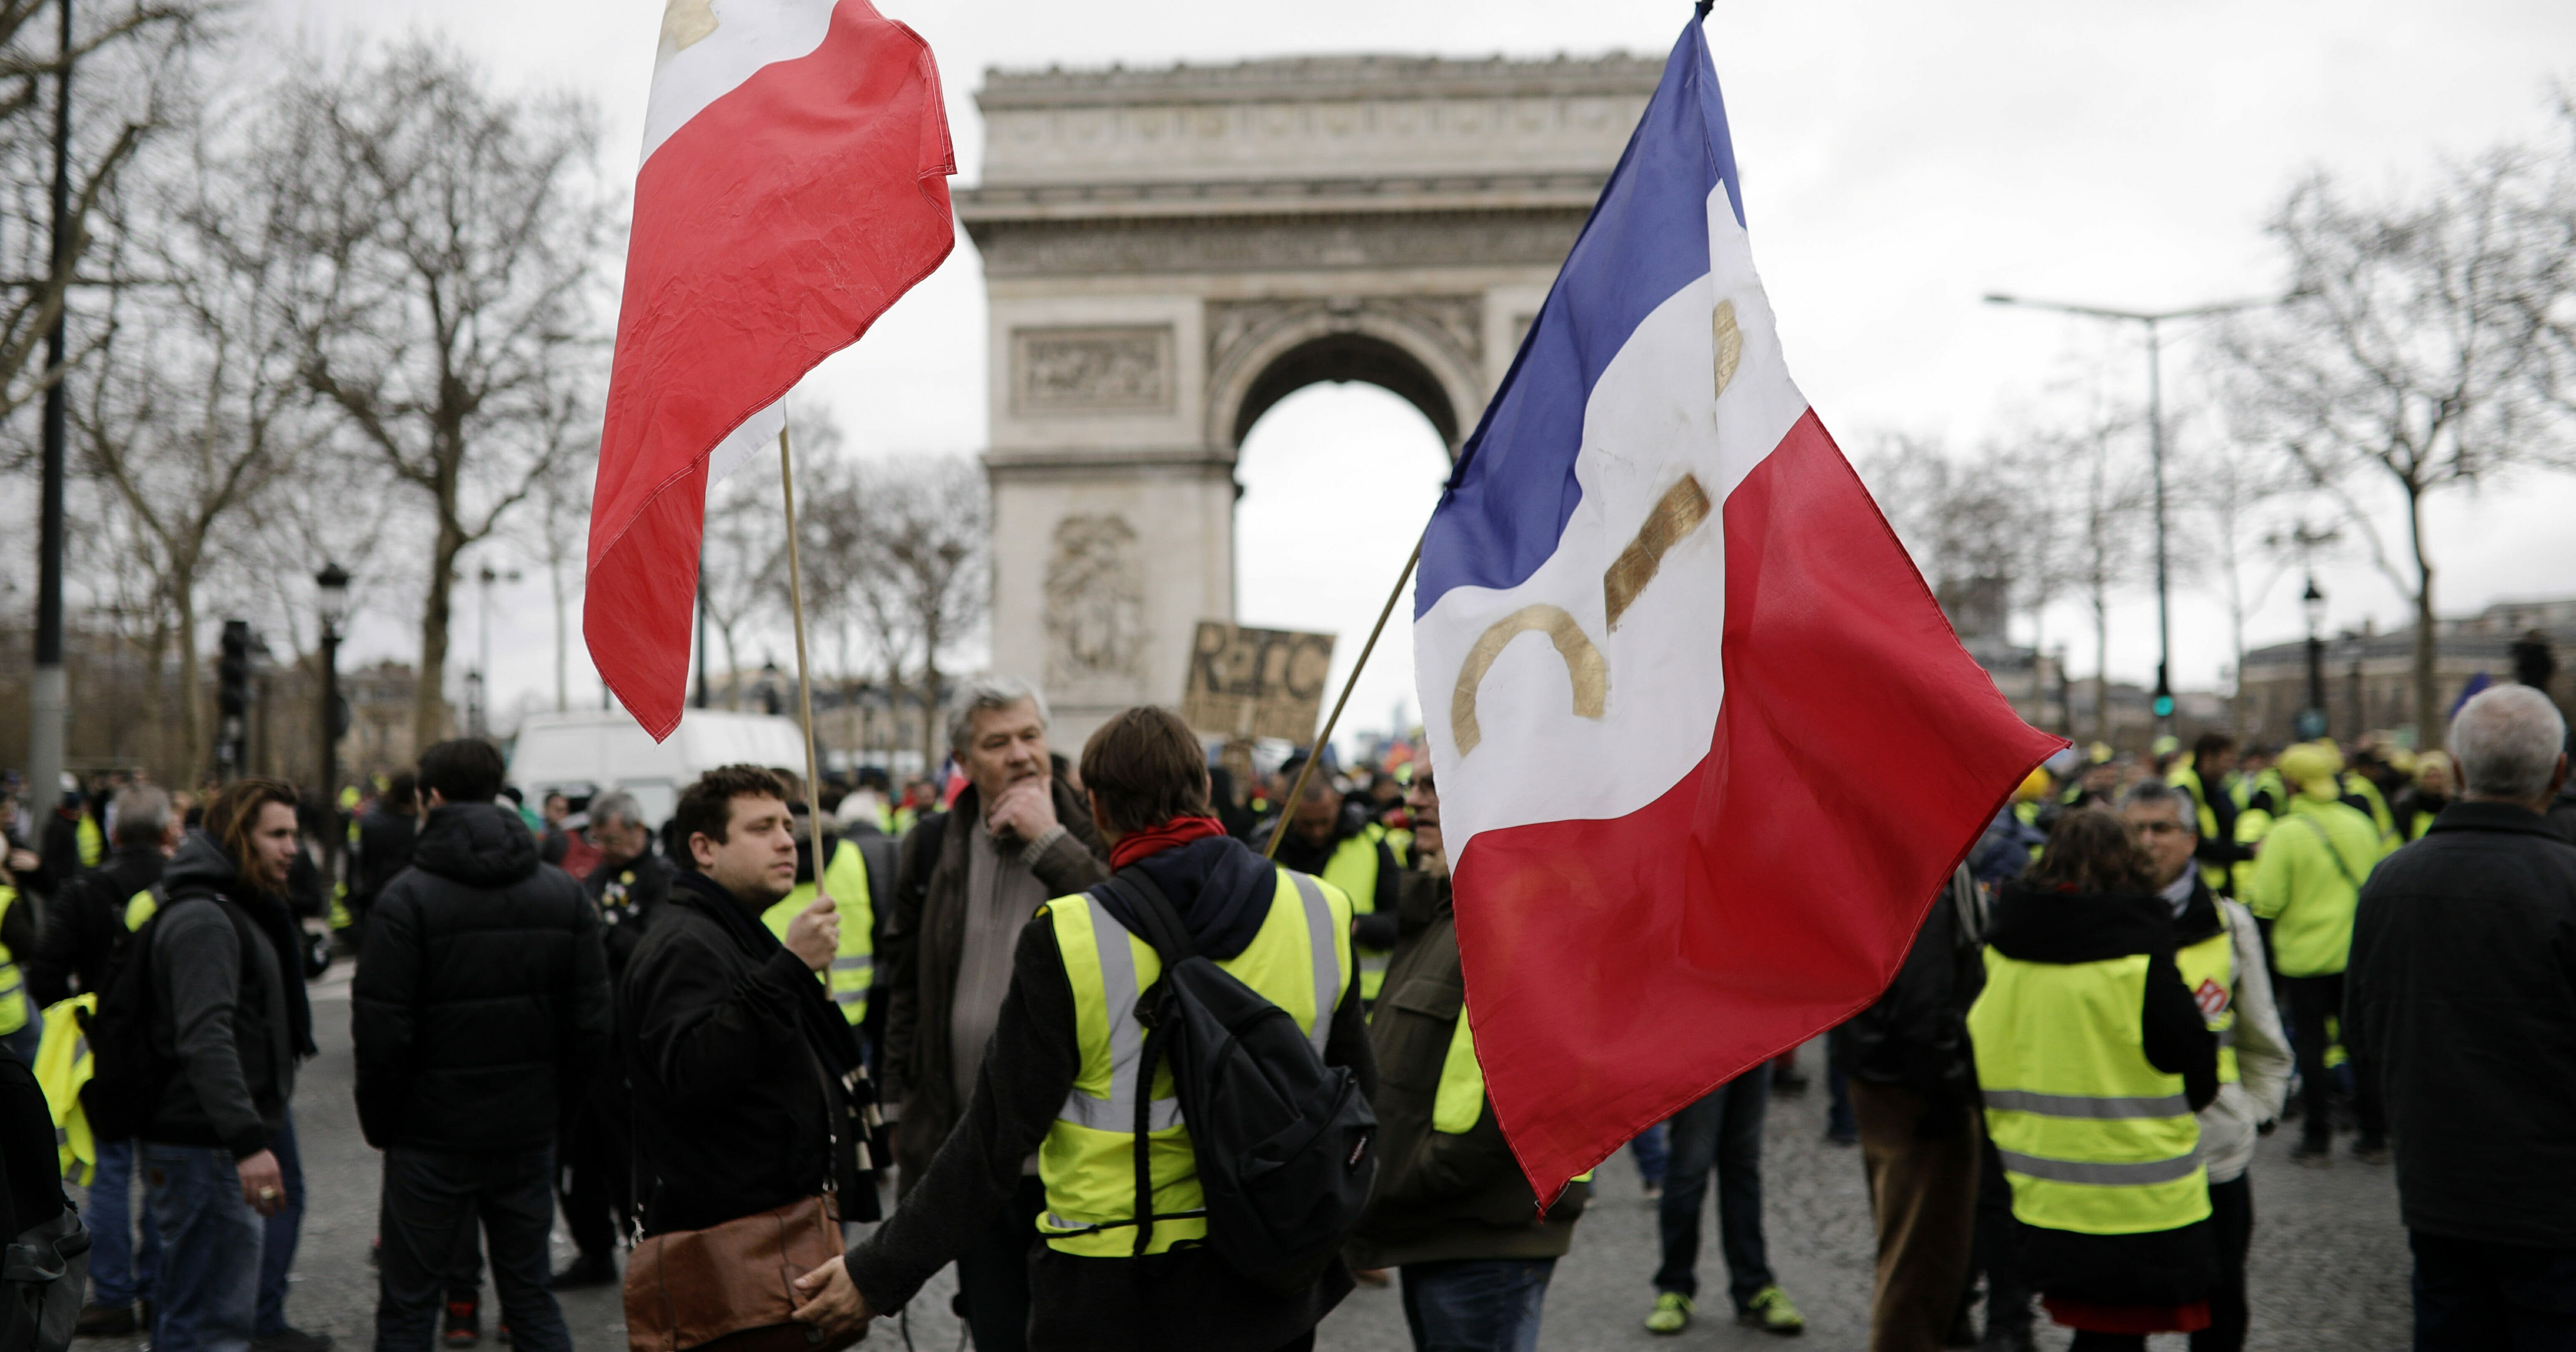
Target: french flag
[[794, 185], [1706, 746]]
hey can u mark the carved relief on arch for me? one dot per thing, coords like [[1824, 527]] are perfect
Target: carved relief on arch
[[1095, 605]]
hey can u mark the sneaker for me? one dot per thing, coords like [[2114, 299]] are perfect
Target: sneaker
[[1654, 1189], [1672, 1313], [1771, 1312], [1373, 1278], [105, 1321], [2370, 1152], [2309, 1154], [292, 1340], [1788, 1084], [464, 1324], [591, 1269]]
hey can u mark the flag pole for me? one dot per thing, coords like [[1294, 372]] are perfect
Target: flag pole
[[804, 675], [1289, 807]]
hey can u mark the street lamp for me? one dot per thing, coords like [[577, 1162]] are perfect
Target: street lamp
[[2312, 720], [331, 585], [2164, 700]]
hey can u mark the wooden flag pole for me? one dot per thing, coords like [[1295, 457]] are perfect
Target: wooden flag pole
[[1316, 753], [804, 675]]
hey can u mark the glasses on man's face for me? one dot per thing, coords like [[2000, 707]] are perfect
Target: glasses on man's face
[[2161, 828]]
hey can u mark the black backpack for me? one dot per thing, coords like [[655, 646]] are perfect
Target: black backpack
[[1282, 1141], [127, 1073]]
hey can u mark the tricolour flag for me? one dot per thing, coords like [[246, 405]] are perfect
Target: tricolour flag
[[1706, 746], [795, 183]]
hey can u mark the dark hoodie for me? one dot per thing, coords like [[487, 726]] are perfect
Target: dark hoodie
[[1188, 1298], [481, 994], [224, 1009]]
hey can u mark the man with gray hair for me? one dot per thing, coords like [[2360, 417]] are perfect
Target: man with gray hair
[[84, 936], [2462, 999], [969, 879]]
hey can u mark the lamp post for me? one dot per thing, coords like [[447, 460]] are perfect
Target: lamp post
[[2164, 699], [331, 585], [2312, 720]]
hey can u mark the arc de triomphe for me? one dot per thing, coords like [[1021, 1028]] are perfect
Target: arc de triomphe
[[1169, 252]]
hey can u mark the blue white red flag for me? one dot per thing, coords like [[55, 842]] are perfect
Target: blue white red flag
[[1706, 746]]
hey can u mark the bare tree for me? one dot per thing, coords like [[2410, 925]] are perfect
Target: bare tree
[[455, 235], [2412, 355], [742, 562], [186, 413], [907, 560], [123, 57], [561, 524]]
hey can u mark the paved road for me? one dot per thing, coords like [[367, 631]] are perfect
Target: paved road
[[2329, 1269]]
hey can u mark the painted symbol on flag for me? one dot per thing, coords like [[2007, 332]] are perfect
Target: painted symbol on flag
[[2213, 997], [686, 21]]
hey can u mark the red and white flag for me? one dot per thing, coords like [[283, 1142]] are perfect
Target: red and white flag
[[794, 185]]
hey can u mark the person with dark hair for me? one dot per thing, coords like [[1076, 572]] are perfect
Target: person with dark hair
[[1335, 840], [2093, 1059], [480, 1011], [966, 884], [2307, 882], [228, 1009], [1061, 1080], [386, 831], [2204, 776], [734, 1052]]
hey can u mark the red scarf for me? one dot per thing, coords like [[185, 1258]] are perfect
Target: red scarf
[[1178, 831]]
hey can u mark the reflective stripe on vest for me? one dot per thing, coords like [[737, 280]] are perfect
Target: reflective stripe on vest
[[854, 964], [1353, 868], [2093, 1138], [2209, 973], [13, 985], [1299, 960]]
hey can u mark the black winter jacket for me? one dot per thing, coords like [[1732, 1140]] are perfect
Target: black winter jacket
[[1915, 1035], [482, 992], [228, 1006], [2461, 997], [85, 924], [723, 1031], [628, 896]]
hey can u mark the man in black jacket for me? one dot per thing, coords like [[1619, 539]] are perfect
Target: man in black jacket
[[228, 1012], [2462, 998], [480, 1009], [1913, 1093], [386, 832], [726, 1034]]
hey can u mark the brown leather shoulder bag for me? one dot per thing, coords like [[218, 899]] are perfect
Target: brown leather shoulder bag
[[729, 1287]]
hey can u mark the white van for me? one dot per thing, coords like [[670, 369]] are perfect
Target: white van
[[579, 754]]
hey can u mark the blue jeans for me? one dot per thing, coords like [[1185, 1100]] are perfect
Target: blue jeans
[[431, 1199], [119, 1272], [1476, 1304], [1649, 1148], [210, 1244], [1722, 1132], [2470, 1294], [277, 1249]]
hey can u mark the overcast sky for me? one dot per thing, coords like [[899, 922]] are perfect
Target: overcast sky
[[1899, 161]]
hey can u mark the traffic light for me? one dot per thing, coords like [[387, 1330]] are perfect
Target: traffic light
[[2164, 705], [232, 671], [2164, 701]]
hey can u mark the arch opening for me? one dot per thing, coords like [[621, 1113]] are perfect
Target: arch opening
[[1340, 358]]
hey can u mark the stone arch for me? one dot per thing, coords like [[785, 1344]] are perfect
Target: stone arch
[[1169, 252], [1276, 348]]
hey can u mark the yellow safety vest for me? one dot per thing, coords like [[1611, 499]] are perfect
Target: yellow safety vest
[[1398, 843], [1299, 960], [2209, 970], [2093, 1138], [13, 983], [2187, 778], [139, 908], [1353, 868], [854, 963], [62, 1067], [93, 842]]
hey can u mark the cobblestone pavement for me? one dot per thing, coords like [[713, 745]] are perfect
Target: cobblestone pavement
[[2329, 1269]]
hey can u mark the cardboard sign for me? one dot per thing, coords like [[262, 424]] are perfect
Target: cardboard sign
[[1256, 682]]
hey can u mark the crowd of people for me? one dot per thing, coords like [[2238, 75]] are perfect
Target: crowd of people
[[952, 1026]]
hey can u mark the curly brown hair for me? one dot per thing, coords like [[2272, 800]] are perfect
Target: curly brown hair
[[2091, 850]]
